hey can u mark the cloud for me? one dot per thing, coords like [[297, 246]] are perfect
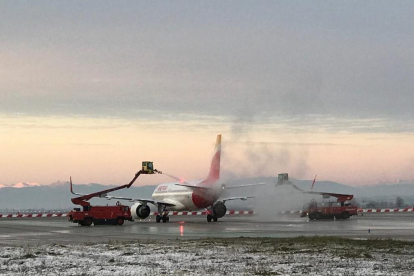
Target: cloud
[[319, 65]]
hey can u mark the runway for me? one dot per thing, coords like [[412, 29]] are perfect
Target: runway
[[26, 231]]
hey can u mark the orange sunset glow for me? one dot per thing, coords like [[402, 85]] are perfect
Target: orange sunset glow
[[91, 92]]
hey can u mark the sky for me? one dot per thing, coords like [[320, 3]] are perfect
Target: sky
[[89, 89]]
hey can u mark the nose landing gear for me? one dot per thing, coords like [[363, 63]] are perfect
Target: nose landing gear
[[162, 215]]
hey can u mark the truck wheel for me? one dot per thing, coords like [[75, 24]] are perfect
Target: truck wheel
[[120, 221], [318, 216], [87, 222], [338, 216], [345, 215], [311, 216], [70, 218]]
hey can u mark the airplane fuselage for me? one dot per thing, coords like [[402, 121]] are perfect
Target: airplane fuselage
[[185, 198]]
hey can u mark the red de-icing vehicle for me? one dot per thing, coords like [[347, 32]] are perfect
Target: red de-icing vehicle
[[341, 209], [329, 210], [115, 215]]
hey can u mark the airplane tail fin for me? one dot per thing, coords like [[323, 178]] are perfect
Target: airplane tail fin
[[214, 174]]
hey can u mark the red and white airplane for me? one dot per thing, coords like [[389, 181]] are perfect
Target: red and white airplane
[[188, 196]]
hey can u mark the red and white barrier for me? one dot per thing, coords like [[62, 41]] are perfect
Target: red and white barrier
[[204, 213], [397, 210], [411, 209], [231, 212], [32, 215], [291, 212]]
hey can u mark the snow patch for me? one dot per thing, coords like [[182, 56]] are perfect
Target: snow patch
[[206, 257]]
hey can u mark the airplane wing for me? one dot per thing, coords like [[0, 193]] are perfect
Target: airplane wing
[[71, 188], [236, 198], [104, 195], [139, 200], [193, 186], [340, 197], [245, 185]]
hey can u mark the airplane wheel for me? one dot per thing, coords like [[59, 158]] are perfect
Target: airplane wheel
[[158, 218], [168, 219], [164, 219], [215, 219], [209, 217]]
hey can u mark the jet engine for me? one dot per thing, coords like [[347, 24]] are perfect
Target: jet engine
[[219, 209], [140, 211]]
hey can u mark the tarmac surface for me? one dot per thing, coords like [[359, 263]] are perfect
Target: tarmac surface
[[35, 231]]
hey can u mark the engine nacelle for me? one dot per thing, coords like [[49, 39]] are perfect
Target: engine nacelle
[[140, 211], [219, 209]]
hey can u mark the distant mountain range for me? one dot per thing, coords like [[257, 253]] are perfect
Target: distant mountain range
[[20, 185], [57, 195]]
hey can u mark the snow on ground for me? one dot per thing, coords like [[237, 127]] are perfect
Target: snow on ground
[[240, 256]]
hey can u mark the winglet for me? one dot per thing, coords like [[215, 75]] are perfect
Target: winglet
[[313, 183], [71, 186]]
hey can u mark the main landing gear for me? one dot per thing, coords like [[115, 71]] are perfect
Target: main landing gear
[[211, 217], [162, 215], [216, 211]]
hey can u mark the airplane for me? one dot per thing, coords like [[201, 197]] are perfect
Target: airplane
[[188, 196]]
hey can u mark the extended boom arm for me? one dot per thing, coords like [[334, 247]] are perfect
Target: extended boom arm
[[147, 168], [82, 200]]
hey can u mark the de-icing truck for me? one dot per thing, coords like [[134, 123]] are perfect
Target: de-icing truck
[[115, 215]]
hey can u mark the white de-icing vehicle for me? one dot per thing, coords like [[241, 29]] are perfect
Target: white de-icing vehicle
[[188, 196]]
